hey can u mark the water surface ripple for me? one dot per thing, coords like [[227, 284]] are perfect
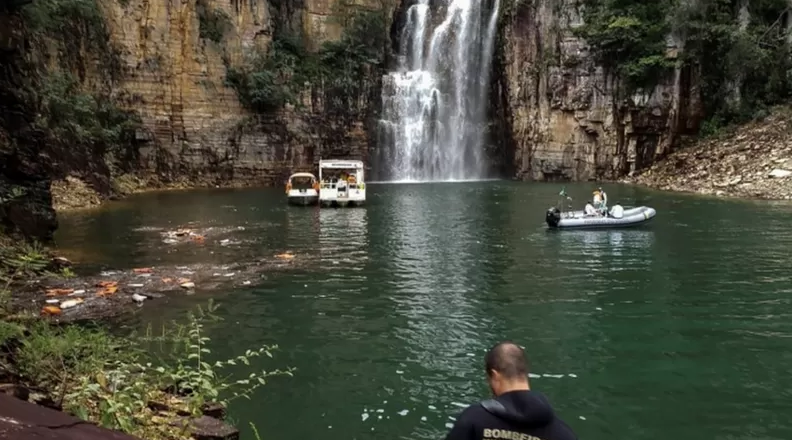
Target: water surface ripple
[[680, 329]]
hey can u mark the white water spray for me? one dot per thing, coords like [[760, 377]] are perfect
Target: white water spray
[[434, 105]]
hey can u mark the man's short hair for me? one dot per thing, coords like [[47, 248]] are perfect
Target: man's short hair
[[508, 359]]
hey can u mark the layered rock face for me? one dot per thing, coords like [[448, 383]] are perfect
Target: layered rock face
[[195, 126], [562, 117]]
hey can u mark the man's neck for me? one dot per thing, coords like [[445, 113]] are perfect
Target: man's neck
[[515, 386]]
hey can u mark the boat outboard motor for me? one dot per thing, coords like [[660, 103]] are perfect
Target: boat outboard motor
[[553, 217]]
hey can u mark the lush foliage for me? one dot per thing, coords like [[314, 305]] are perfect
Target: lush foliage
[[743, 70], [213, 23], [744, 67], [269, 80], [77, 117], [119, 383], [628, 38]]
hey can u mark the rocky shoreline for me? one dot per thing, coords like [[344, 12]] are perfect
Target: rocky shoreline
[[753, 161]]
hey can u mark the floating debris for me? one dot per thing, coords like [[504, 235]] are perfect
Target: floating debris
[[51, 310], [71, 303], [142, 270], [403, 412], [59, 292], [138, 297], [364, 416]]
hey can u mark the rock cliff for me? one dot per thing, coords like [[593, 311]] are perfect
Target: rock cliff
[[194, 127], [122, 94], [565, 117]]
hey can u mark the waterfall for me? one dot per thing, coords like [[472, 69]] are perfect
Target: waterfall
[[434, 105]]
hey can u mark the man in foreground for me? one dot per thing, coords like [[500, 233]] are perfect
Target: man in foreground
[[516, 412]]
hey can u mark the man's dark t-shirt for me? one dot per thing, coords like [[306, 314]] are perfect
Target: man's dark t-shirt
[[516, 415]]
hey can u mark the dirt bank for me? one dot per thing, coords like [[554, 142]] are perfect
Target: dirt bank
[[751, 161]]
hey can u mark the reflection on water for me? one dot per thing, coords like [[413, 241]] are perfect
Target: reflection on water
[[630, 330], [434, 262], [343, 238]]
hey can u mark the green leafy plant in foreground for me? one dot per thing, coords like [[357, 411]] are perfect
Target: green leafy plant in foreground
[[153, 400]]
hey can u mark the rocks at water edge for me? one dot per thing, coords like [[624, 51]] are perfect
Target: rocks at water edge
[[755, 161]]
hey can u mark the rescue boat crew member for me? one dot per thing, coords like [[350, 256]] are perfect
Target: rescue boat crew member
[[516, 412]]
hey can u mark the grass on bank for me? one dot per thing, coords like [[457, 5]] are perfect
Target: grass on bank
[[146, 385]]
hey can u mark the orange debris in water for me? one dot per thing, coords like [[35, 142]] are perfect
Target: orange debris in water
[[142, 270], [183, 280], [167, 280], [51, 310], [59, 292], [198, 238], [109, 290], [107, 284], [285, 256]]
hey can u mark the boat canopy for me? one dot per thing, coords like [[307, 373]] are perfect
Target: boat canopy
[[341, 164], [302, 175]]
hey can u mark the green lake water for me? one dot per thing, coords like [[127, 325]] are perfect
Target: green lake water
[[680, 329]]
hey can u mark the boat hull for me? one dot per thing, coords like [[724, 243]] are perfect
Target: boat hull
[[579, 220], [303, 200]]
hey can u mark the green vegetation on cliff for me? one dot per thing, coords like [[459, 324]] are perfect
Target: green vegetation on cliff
[[213, 23], [741, 54], [338, 70]]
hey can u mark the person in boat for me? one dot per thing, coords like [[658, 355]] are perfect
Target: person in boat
[[600, 201], [516, 412]]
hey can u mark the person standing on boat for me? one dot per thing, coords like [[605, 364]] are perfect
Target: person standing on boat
[[600, 201], [516, 412]]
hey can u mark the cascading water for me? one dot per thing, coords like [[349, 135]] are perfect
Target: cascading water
[[434, 104]]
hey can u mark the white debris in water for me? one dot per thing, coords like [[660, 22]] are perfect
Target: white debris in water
[[423, 419], [470, 354], [380, 417], [364, 416], [380, 410], [451, 418], [534, 376], [599, 308], [329, 426], [229, 274], [246, 282], [582, 418], [187, 272], [449, 425], [572, 375], [432, 407], [144, 275], [399, 372], [108, 273], [555, 376], [385, 402], [403, 412], [461, 405], [216, 274], [136, 285]]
